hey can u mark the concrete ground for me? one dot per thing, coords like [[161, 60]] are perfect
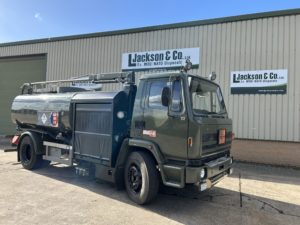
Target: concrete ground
[[5, 142], [254, 194]]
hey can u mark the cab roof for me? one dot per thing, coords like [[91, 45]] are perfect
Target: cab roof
[[159, 75], [155, 75]]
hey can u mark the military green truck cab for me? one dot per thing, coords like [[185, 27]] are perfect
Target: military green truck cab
[[173, 129], [184, 118]]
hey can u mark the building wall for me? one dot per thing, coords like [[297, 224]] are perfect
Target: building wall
[[267, 152], [265, 43], [14, 72]]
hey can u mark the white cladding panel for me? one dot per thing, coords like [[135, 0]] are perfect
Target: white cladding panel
[[257, 44]]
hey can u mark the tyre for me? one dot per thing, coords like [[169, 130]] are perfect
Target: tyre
[[141, 178], [28, 157]]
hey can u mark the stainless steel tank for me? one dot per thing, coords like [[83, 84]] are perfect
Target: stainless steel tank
[[43, 111]]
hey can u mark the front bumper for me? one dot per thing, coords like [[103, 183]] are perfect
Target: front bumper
[[179, 176], [215, 170], [209, 182]]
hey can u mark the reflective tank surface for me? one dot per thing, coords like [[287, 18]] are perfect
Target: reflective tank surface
[[43, 111]]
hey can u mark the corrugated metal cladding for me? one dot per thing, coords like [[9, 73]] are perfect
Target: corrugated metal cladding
[[254, 44]]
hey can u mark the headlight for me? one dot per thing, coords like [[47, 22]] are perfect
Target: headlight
[[202, 173]]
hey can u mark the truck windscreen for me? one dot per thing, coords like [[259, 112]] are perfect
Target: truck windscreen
[[206, 97]]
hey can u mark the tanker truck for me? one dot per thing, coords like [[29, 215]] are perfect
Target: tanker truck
[[171, 129]]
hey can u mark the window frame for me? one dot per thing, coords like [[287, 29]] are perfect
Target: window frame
[[149, 83], [218, 92], [163, 108], [182, 97]]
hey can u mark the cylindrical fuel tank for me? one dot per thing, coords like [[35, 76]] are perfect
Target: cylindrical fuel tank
[[43, 111]]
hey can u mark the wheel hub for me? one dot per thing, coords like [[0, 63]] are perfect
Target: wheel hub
[[27, 153], [135, 178]]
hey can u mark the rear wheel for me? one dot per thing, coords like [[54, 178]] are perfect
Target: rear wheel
[[141, 177], [28, 157]]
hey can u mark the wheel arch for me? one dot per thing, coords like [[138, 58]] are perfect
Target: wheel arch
[[129, 146]]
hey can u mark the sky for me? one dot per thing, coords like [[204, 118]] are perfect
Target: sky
[[34, 19]]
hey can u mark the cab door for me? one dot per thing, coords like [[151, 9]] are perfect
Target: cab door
[[166, 126]]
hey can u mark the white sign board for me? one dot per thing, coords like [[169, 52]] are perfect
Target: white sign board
[[259, 82], [170, 58]]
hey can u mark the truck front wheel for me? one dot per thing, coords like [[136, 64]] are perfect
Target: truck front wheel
[[28, 157], [141, 177]]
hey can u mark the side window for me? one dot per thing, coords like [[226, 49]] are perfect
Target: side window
[[176, 104], [155, 94]]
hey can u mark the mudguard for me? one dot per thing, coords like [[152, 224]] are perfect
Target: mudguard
[[152, 147], [125, 151]]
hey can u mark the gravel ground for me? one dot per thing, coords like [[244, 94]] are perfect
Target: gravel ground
[[253, 194]]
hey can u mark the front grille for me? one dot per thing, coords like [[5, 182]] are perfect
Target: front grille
[[205, 159], [210, 143], [214, 136], [208, 147]]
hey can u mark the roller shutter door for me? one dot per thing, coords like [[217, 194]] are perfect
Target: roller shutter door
[[15, 71]]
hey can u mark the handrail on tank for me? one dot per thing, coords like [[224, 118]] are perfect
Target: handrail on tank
[[117, 77]]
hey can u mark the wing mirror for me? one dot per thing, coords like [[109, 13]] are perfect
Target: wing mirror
[[165, 96]]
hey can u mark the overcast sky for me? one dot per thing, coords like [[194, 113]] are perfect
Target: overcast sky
[[33, 19]]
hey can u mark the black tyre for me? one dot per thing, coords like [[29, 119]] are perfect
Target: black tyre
[[141, 177], [28, 157]]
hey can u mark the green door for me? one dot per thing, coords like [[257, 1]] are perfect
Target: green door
[[168, 130], [14, 72]]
